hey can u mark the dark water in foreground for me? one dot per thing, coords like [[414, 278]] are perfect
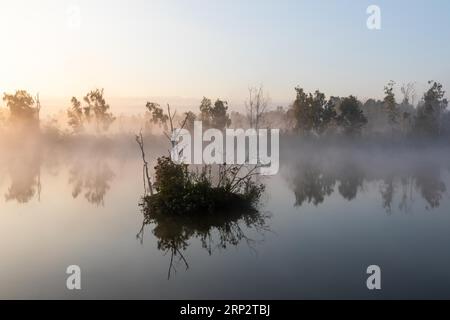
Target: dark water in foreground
[[324, 219]]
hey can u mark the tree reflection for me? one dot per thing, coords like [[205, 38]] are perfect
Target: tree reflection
[[25, 173], [387, 193], [91, 179], [407, 199], [215, 231], [313, 180], [430, 185], [351, 178], [312, 185]]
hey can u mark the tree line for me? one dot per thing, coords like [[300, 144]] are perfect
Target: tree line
[[311, 114], [314, 114]]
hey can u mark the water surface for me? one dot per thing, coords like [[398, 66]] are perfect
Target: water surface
[[323, 220]]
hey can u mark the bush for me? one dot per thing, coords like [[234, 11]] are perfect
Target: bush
[[182, 192]]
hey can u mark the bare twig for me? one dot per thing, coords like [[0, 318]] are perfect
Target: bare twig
[[140, 142]]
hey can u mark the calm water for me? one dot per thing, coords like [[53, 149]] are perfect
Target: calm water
[[324, 218]]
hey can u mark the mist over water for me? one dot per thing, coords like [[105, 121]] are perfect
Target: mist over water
[[331, 211]]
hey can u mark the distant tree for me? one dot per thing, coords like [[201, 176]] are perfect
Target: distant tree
[[205, 111], [158, 116], [190, 118], [277, 118], [312, 112], [214, 116], [76, 117], [409, 93], [97, 104], [96, 109], [377, 118], [430, 112], [219, 115], [351, 117], [22, 108], [407, 109], [256, 106], [328, 114], [303, 112], [390, 105], [238, 119]]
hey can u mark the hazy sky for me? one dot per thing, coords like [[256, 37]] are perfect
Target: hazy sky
[[192, 48]]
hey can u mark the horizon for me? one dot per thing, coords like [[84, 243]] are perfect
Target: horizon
[[129, 105]]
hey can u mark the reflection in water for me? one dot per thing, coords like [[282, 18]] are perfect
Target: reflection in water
[[407, 189], [429, 183], [387, 193], [215, 231], [312, 185], [314, 180], [351, 179], [24, 170], [92, 178]]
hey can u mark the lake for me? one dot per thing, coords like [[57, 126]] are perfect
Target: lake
[[325, 217]]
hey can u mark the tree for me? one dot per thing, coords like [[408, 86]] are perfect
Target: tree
[[190, 119], [205, 111], [409, 93], [96, 109], [390, 104], [328, 114], [407, 109], [97, 104], [158, 116], [219, 115], [214, 116], [75, 115], [313, 112], [302, 111], [22, 108], [431, 111], [256, 106], [351, 117]]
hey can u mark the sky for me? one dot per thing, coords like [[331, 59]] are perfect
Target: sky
[[186, 49]]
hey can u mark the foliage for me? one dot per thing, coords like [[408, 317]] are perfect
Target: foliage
[[180, 191], [351, 117], [158, 116], [96, 109], [214, 116], [22, 108], [313, 112], [390, 104], [190, 119], [76, 116], [430, 113], [205, 111]]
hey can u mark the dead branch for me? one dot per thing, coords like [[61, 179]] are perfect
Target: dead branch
[[140, 142]]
